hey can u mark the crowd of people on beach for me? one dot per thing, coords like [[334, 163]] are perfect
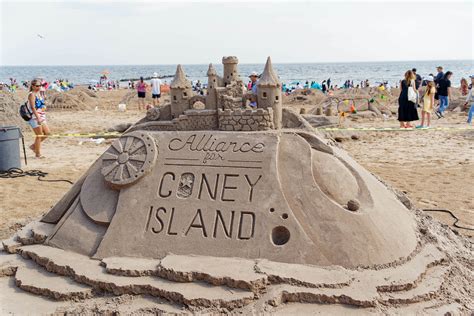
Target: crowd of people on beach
[[58, 85], [431, 94], [327, 87], [435, 91]]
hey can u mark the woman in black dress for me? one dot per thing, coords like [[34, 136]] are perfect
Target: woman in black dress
[[406, 109]]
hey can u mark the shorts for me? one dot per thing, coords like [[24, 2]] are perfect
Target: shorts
[[34, 123], [141, 94], [156, 96]]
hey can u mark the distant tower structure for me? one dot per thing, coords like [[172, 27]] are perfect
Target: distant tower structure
[[212, 84], [180, 92], [269, 93], [231, 72]]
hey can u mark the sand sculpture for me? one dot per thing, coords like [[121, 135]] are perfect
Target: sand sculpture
[[241, 220], [225, 105]]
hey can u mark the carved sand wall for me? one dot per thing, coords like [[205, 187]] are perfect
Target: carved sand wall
[[246, 120], [194, 120]]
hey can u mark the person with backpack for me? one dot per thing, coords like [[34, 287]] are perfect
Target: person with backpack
[[37, 108]]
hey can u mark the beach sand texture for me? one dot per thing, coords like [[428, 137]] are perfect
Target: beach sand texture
[[434, 168]]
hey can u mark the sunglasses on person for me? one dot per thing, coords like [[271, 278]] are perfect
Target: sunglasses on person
[[37, 85]]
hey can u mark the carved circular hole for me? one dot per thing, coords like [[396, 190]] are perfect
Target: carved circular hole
[[284, 216], [280, 235], [272, 210]]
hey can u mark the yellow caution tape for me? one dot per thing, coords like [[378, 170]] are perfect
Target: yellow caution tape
[[82, 135], [373, 129], [383, 129]]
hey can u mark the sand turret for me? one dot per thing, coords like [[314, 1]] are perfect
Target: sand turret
[[269, 92], [212, 84], [180, 92], [231, 72]]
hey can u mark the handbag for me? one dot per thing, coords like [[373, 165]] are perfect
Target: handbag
[[25, 112], [412, 94]]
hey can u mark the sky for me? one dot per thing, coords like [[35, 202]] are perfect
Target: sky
[[144, 32]]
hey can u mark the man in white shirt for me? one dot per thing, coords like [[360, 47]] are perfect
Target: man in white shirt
[[155, 89]]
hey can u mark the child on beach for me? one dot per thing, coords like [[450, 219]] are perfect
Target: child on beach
[[428, 102]]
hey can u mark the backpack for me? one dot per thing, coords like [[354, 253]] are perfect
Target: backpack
[[25, 112]]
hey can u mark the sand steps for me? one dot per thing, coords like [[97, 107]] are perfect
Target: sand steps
[[86, 271], [11, 245], [223, 283], [408, 275], [34, 233], [8, 264], [132, 267], [426, 290], [349, 296], [304, 275], [233, 272], [31, 278]]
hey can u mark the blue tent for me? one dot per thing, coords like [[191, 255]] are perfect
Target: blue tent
[[316, 85]]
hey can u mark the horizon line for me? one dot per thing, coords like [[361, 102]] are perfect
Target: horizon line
[[247, 63]]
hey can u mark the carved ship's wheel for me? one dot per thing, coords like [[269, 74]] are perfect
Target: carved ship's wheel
[[129, 158]]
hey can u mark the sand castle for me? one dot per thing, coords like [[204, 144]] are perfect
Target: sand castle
[[184, 209], [225, 107]]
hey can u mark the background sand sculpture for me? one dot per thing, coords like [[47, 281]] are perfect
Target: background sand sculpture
[[434, 278]]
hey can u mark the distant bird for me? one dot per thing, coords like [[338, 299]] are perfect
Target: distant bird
[[40, 36]]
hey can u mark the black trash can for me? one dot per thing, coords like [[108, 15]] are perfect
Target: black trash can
[[9, 147]]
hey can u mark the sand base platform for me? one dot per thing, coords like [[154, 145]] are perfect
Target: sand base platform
[[265, 222], [434, 279]]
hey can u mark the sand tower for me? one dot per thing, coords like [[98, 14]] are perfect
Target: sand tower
[[269, 92], [212, 84], [231, 72], [180, 92]]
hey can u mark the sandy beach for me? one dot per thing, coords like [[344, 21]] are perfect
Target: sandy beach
[[226, 158], [434, 168]]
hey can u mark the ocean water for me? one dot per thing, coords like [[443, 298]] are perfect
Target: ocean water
[[288, 73]]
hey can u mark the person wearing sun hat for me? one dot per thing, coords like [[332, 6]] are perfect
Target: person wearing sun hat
[[155, 89], [253, 82], [252, 86], [470, 99], [428, 102]]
